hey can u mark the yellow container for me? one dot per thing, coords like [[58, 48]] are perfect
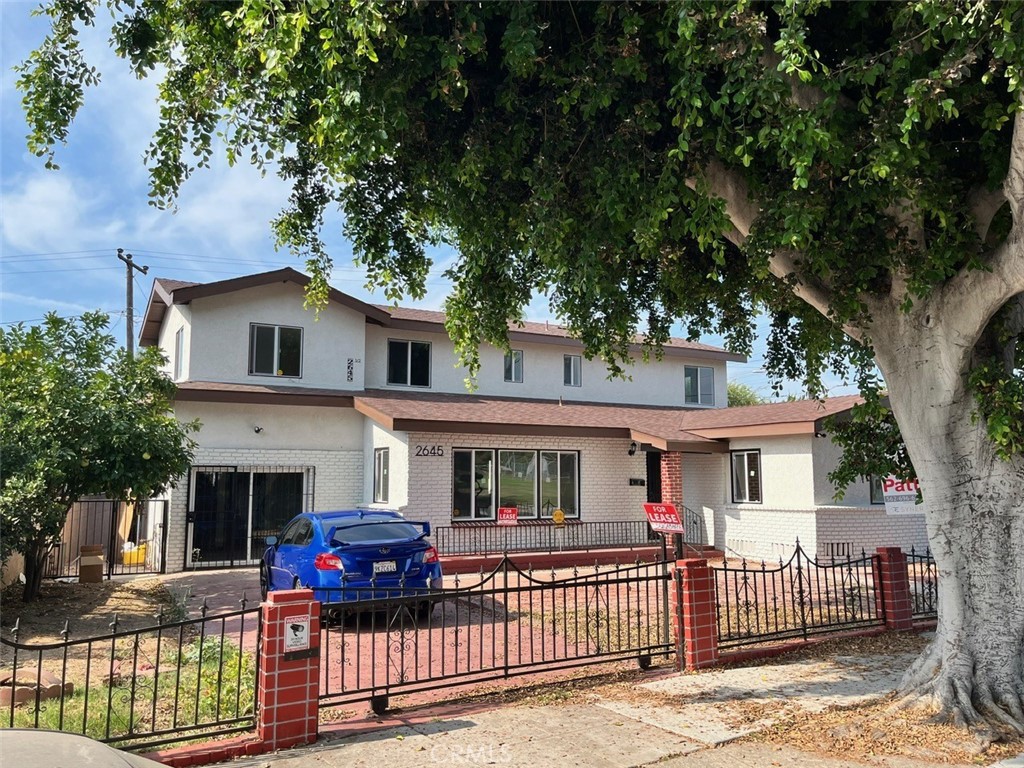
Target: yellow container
[[135, 556]]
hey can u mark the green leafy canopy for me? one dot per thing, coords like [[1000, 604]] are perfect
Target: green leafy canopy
[[588, 151]]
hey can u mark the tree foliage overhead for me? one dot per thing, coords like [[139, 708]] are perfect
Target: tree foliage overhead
[[78, 417]]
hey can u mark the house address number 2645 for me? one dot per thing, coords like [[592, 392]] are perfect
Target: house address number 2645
[[429, 450]]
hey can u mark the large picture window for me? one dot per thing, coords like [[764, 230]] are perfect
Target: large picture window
[[699, 385], [535, 482], [275, 350], [746, 476], [381, 474], [473, 485], [409, 363]]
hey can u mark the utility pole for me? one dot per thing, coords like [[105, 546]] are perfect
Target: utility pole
[[129, 265]]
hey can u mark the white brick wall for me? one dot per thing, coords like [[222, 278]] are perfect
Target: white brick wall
[[338, 484], [867, 528], [605, 469]]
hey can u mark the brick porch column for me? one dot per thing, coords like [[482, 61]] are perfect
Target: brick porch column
[[696, 615], [672, 478], [892, 592], [288, 692]]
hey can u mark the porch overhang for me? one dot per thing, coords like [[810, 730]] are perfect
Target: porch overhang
[[257, 394]]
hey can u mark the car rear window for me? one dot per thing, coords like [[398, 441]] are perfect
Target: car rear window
[[371, 531]]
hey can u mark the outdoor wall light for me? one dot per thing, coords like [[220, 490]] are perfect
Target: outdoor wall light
[[257, 429], [632, 448]]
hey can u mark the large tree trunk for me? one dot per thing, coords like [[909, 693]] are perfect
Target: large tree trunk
[[973, 671], [35, 564]]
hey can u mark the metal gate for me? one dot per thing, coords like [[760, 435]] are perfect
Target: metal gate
[[506, 623], [132, 535]]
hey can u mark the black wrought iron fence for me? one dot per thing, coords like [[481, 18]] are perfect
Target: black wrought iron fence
[[137, 688], [924, 582], [541, 536], [798, 598], [502, 624]]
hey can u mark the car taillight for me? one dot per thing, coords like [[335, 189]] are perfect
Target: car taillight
[[325, 561], [430, 556]]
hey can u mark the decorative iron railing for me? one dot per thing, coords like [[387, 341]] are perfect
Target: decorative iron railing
[[798, 598], [924, 580], [544, 536], [137, 688], [502, 624]]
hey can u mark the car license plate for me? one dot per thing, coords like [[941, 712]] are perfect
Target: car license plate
[[385, 566]]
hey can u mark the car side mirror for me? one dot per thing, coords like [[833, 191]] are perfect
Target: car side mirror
[[271, 541]]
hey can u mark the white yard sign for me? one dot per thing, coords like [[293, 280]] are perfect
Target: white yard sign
[[900, 496]]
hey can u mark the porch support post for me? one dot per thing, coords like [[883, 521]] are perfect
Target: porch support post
[[672, 478], [893, 588], [696, 615], [288, 691]]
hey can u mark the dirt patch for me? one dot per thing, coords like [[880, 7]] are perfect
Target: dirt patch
[[87, 608], [874, 730]]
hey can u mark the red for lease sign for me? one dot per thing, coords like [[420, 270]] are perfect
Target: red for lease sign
[[664, 518], [508, 515]]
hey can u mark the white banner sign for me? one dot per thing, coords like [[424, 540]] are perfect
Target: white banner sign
[[900, 496]]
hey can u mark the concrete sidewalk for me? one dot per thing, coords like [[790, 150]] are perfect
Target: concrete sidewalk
[[674, 721]]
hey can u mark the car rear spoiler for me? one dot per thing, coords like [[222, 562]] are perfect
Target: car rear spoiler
[[426, 527]]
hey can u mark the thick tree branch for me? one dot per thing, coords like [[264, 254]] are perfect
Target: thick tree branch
[[1014, 184], [984, 203]]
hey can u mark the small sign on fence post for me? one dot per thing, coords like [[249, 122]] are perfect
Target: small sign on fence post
[[664, 518], [508, 515]]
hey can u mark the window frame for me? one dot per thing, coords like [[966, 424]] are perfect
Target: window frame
[[575, 371], [700, 390], [539, 513], [277, 350], [408, 362], [746, 452], [381, 475], [179, 353], [511, 355], [558, 462]]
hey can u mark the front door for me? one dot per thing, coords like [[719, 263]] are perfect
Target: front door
[[653, 477]]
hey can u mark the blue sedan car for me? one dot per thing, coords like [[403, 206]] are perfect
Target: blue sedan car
[[352, 555]]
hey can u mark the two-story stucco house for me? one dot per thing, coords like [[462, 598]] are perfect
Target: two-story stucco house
[[365, 406]]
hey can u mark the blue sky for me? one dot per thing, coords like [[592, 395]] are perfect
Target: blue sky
[[61, 229]]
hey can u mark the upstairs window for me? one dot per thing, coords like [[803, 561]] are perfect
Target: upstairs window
[[572, 370], [179, 353], [275, 350], [514, 366], [875, 482], [699, 385], [746, 477], [409, 363]]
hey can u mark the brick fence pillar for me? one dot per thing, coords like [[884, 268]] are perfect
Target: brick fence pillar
[[696, 615], [288, 692], [892, 590], [672, 478]]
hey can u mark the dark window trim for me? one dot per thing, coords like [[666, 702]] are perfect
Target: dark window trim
[[697, 402], [522, 367], [408, 356], [579, 368], [495, 453], [277, 348], [732, 475]]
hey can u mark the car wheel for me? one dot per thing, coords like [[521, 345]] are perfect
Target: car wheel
[[264, 582], [424, 609]]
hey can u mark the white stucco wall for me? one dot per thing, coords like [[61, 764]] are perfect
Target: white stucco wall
[[656, 383], [605, 469], [826, 456], [220, 337], [290, 427], [787, 471], [177, 316], [397, 443]]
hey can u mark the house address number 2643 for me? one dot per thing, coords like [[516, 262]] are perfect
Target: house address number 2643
[[429, 450]]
